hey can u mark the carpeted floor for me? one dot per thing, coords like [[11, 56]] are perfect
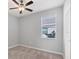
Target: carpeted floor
[[20, 52]]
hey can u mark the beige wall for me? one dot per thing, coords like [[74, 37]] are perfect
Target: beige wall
[[12, 30], [30, 30]]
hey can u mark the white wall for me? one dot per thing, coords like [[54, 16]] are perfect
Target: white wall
[[12, 31], [67, 27], [30, 31]]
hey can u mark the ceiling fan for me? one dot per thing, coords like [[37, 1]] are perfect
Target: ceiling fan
[[22, 6]]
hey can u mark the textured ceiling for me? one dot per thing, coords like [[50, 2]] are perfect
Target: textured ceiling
[[38, 5]]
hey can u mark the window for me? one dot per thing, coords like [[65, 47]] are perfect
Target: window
[[48, 27]]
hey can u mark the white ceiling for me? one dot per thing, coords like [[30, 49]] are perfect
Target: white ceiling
[[38, 5]]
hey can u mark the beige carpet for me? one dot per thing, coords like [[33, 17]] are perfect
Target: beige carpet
[[29, 53]]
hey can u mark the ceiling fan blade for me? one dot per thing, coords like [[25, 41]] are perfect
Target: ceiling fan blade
[[14, 8], [30, 2], [15, 2], [28, 9], [20, 12]]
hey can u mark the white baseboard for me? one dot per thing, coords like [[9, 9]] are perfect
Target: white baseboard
[[37, 49], [13, 46], [43, 49]]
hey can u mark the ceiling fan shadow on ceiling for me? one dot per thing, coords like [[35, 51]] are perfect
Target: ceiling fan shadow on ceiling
[[21, 6]]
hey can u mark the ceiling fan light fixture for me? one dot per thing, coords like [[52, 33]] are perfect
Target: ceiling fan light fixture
[[21, 8]]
